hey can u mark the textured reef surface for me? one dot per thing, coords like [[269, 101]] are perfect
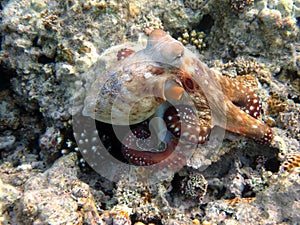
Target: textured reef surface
[[52, 52]]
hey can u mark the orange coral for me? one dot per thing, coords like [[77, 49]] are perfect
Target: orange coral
[[291, 162], [238, 200]]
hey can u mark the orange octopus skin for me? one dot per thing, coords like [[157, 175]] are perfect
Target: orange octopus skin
[[210, 91], [123, 53], [242, 105]]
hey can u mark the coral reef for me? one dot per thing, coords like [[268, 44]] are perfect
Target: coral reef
[[46, 49], [194, 4], [239, 5]]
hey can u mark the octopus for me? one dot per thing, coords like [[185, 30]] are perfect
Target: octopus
[[170, 100]]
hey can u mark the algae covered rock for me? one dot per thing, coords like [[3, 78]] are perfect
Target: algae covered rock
[[57, 196]]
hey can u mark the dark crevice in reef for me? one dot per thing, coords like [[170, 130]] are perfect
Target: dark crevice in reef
[[6, 75], [45, 59], [205, 24], [1, 8], [176, 191], [232, 54], [272, 164], [35, 42], [295, 98], [216, 190], [26, 127], [249, 156], [220, 168], [290, 78], [284, 74], [248, 192], [176, 183], [154, 220]]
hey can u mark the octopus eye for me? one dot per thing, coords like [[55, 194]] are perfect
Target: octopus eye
[[189, 84]]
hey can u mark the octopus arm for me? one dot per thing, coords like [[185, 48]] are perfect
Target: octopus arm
[[240, 122], [242, 96], [185, 124], [138, 149]]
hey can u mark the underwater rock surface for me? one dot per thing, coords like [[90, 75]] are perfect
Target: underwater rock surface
[[48, 50]]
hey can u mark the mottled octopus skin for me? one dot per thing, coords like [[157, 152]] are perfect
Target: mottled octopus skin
[[218, 100]]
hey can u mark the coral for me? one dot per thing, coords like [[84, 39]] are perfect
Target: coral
[[290, 119], [265, 208], [276, 104], [139, 198], [194, 38], [252, 32], [147, 203], [150, 23], [194, 4], [120, 216], [237, 185], [247, 66], [19, 127], [246, 70], [239, 5], [94, 5], [282, 192], [237, 200], [194, 186], [247, 213], [51, 143], [291, 76], [291, 162]]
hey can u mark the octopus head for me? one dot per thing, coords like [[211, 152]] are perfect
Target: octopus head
[[164, 48]]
